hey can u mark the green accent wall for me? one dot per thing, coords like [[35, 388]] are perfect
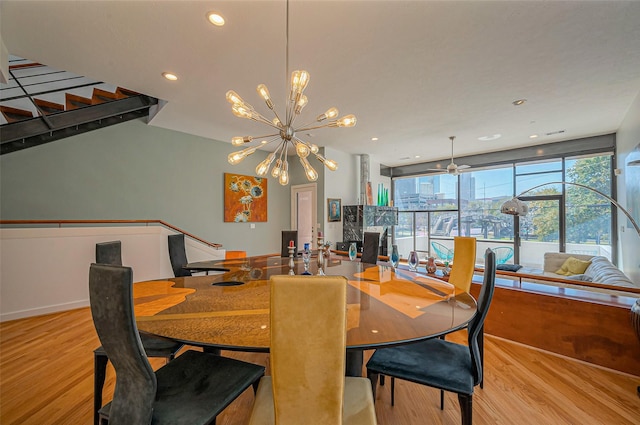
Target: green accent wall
[[136, 171]]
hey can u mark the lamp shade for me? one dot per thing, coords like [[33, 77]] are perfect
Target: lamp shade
[[514, 206]]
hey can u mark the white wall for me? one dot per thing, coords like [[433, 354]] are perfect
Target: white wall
[[627, 140], [342, 184], [45, 270]]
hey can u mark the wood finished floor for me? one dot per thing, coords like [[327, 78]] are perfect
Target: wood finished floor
[[46, 377]]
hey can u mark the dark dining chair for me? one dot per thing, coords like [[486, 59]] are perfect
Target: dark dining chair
[[109, 253], [193, 388], [289, 235], [154, 346], [370, 247], [178, 255], [307, 357], [439, 363]]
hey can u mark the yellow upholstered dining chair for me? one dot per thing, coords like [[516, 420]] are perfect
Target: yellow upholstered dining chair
[[308, 339], [464, 262]]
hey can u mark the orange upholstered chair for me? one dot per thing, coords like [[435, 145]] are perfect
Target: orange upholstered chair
[[464, 262], [308, 339], [235, 254]]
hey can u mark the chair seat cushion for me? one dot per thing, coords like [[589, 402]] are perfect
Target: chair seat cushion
[[195, 387], [435, 362], [358, 403]]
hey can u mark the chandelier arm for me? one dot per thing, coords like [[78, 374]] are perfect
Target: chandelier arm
[[272, 140], [304, 127], [313, 127], [258, 117], [302, 141], [609, 198], [278, 117]]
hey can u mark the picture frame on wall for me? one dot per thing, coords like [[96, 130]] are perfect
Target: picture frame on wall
[[245, 198], [334, 209]]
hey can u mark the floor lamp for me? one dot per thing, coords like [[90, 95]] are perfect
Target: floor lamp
[[515, 206]]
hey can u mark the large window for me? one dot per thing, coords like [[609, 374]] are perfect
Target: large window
[[562, 217]]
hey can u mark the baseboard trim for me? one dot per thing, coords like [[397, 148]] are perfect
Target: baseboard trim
[[56, 308]]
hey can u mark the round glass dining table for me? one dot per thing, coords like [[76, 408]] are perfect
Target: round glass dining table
[[230, 309]]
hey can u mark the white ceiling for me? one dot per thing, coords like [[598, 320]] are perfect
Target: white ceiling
[[414, 73]]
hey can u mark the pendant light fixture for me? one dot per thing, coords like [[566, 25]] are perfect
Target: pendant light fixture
[[285, 131]]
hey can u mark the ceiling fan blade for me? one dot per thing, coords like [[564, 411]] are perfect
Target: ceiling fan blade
[[462, 167]]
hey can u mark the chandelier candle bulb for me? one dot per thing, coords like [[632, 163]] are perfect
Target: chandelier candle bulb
[[302, 150], [233, 98], [264, 92], [346, 121], [283, 178]]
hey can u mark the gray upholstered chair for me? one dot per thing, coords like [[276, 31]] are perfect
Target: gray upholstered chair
[[308, 340], [370, 247], [154, 346], [178, 255], [289, 235], [439, 363], [193, 388]]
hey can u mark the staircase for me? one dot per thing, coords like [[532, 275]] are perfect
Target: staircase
[[40, 104]]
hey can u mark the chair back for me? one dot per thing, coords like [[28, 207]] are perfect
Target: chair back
[[289, 235], [178, 255], [476, 325], [111, 299], [308, 341], [370, 247], [109, 253], [442, 252], [464, 262]]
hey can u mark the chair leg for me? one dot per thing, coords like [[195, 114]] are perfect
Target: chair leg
[[393, 391], [442, 337], [466, 408], [99, 374], [373, 377], [382, 380], [481, 349]]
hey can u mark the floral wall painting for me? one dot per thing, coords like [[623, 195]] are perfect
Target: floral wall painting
[[245, 198]]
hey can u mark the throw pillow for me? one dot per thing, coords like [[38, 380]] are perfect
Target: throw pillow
[[509, 267], [573, 266]]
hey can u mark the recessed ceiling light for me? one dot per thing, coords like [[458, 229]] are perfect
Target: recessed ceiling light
[[374, 139], [519, 102], [489, 138], [533, 136], [169, 76], [215, 19], [417, 156]]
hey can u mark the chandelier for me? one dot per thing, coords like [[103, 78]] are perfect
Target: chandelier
[[285, 131]]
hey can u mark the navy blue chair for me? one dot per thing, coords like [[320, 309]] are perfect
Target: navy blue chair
[[439, 363]]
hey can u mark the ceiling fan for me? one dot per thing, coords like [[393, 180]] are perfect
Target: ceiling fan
[[452, 168]]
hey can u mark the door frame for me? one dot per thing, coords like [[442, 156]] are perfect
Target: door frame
[[308, 187]]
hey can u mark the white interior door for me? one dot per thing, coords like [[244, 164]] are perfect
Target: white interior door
[[304, 213]]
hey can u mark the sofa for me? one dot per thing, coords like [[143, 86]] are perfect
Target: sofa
[[600, 270]]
